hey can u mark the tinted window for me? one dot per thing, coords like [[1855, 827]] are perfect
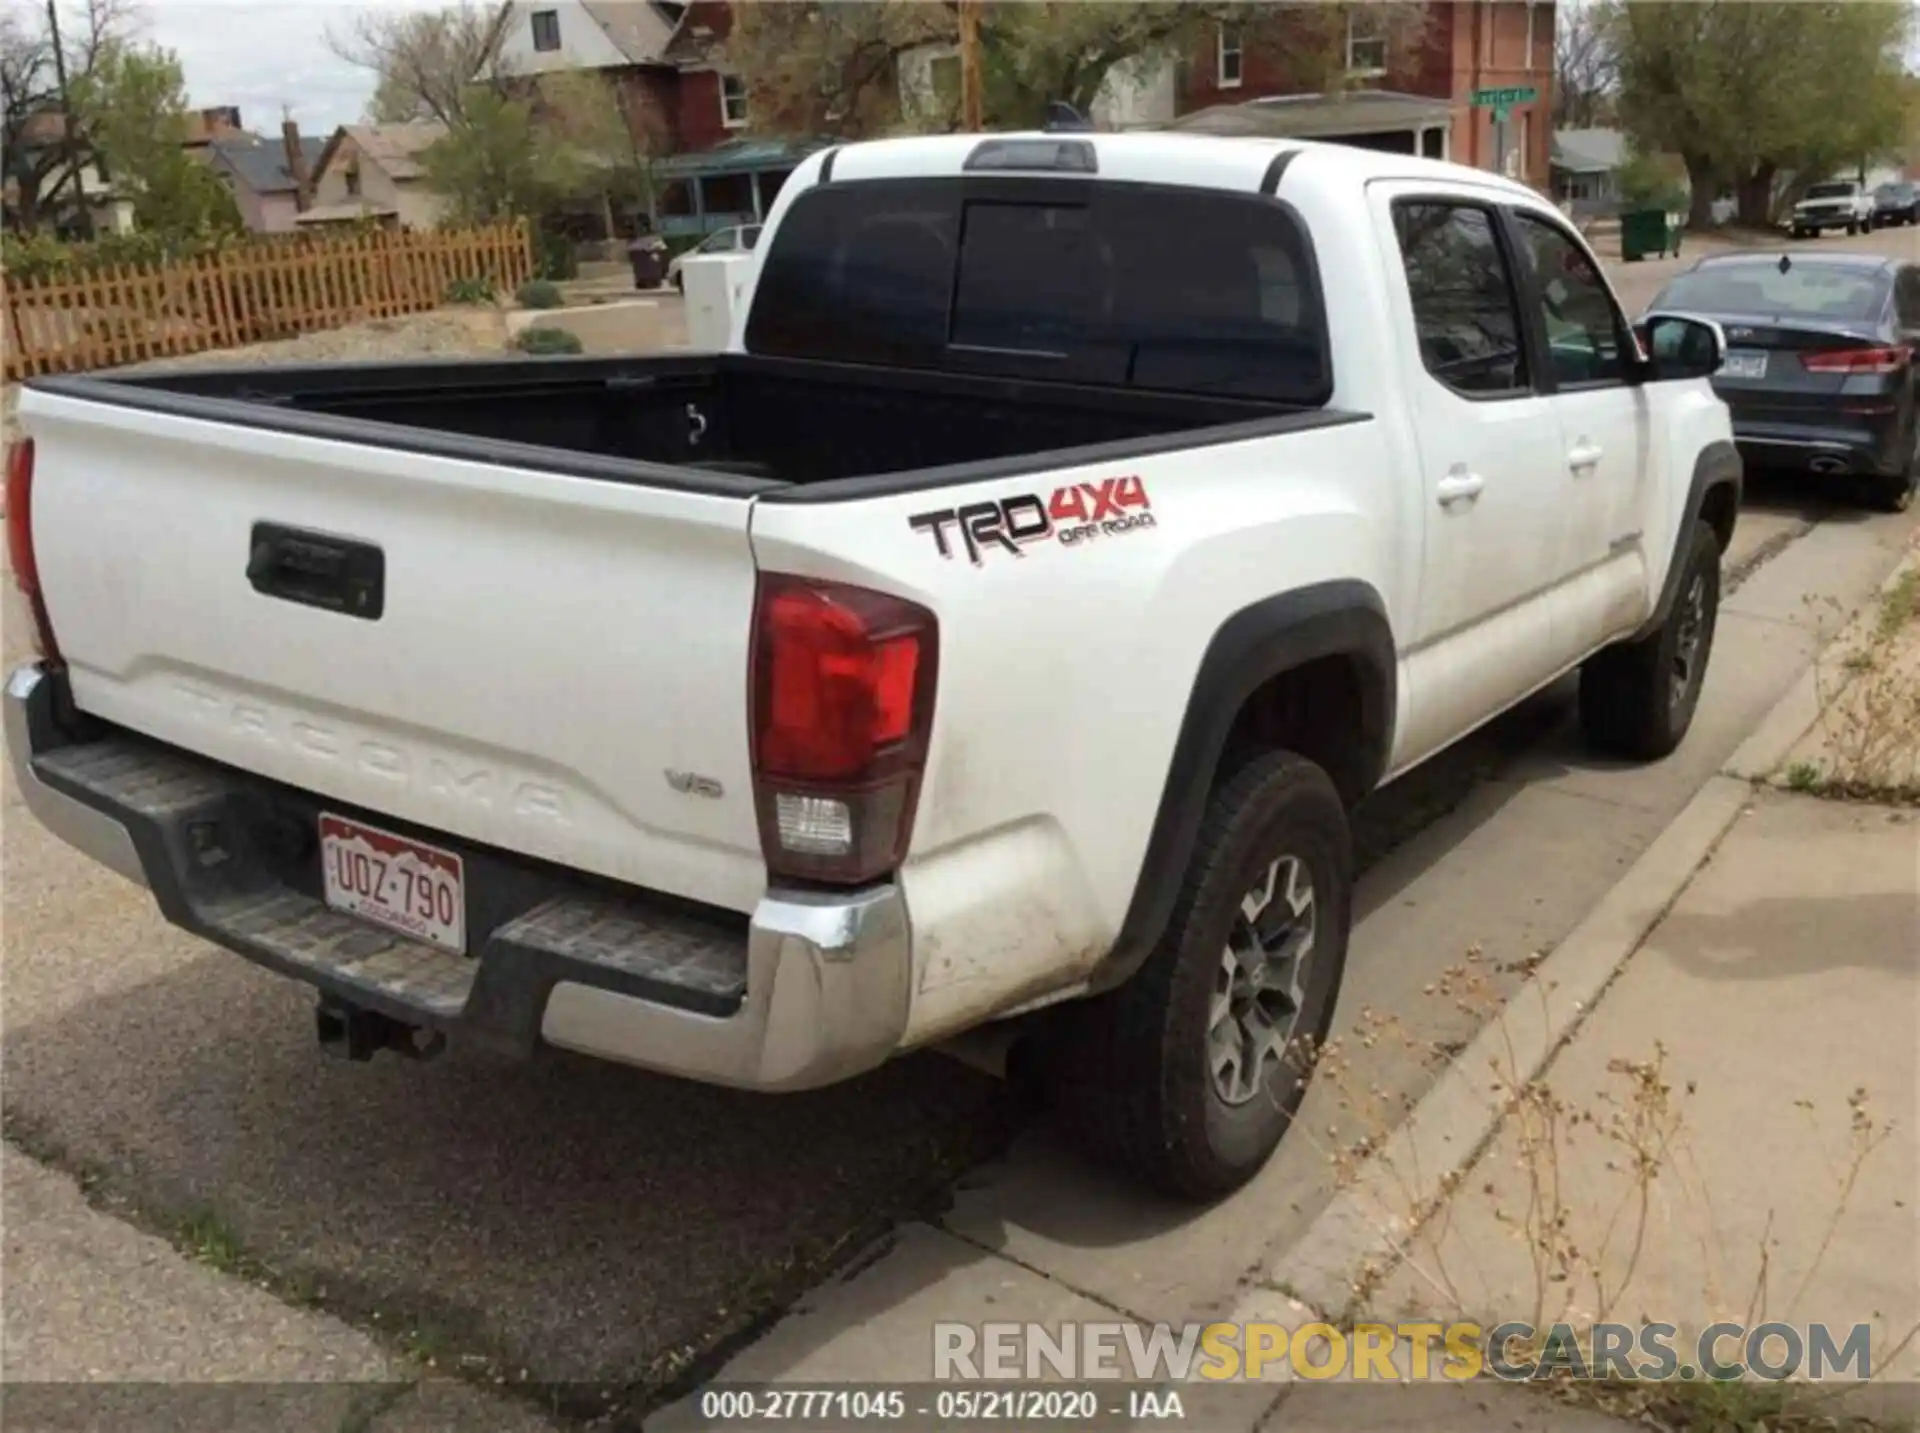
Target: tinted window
[[1759, 290], [1583, 327], [1830, 191], [862, 274], [1464, 312], [1026, 277], [1095, 283]]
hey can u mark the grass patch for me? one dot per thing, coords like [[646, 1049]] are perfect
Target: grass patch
[[1707, 1407], [1803, 776], [205, 1236], [1899, 603]]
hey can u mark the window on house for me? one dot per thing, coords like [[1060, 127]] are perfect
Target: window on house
[[1366, 44], [1230, 57], [352, 177], [733, 101], [546, 29]]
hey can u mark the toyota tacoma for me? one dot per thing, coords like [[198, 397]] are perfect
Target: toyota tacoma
[[1075, 529]]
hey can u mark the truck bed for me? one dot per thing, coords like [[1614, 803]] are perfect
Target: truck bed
[[737, 424]]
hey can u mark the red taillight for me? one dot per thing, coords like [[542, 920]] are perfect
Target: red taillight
[[26, 570], [842, 704], [26, 576], [1858, 360]]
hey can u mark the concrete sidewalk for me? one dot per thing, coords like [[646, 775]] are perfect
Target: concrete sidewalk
[[1784, 990], [1729, 1132]]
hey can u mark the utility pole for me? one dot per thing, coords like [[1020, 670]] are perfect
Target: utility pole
[[72, 173], [972, 102]]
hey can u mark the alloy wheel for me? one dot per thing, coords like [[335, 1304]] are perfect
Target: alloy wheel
[[1260, 988], [1686, 647]]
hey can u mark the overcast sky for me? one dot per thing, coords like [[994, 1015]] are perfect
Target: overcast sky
[[266, 56]]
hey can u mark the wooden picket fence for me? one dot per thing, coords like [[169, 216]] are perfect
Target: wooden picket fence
[[127, 314]]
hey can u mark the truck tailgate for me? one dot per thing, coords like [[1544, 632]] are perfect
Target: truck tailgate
[[558, 666]]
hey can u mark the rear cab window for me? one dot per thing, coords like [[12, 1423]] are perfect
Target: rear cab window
[[1758, 288], [1115, 284]]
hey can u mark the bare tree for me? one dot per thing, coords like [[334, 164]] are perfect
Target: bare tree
[[1586, 66], [426, 63], [42, 147]]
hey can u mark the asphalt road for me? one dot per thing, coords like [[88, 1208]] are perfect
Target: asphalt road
[[562, 1221]]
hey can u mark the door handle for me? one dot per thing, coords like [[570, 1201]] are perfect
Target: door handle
[[1458, 486], [317, 569], [1584, 456]]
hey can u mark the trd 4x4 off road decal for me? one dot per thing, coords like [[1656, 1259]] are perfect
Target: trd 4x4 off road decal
[[1071, 516]]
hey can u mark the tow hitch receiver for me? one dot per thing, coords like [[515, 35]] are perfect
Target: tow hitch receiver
[[351, 1032]]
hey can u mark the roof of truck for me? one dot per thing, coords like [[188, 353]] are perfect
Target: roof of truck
[[1200, 160]]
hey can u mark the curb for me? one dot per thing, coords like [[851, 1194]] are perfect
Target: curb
[[1363, 1231]]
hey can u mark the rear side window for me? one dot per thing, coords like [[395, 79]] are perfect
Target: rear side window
[[1464, 312], [1125, 285]]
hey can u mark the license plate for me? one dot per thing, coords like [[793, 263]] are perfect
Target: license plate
[[416, 889], [1745, 365]]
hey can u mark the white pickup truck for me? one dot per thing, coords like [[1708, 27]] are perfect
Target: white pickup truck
[[1077, 528], [1834, 204]]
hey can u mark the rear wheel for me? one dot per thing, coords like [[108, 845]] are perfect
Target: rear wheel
[[1637, 699], [1895, 493], [1187, 1076]]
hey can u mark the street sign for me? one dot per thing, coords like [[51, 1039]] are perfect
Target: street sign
[[1505, 99]]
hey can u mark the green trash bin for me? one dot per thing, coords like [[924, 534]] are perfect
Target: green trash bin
[[1646, 231]]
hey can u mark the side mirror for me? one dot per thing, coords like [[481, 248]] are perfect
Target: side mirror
[[1678, 346]]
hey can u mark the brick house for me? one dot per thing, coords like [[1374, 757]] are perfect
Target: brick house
[[666, 62], [1414, 97]]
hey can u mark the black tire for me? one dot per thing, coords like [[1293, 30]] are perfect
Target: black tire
[[1637, 699], [1133, 1072], [1853, 227], [1895, 493]]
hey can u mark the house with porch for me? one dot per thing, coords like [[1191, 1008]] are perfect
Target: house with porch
[[666, 63]]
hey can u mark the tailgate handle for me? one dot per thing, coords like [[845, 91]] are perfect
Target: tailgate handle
[[318, 569]]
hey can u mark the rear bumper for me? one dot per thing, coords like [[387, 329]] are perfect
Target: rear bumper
[[1827, 449], [812, 989]]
